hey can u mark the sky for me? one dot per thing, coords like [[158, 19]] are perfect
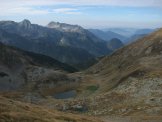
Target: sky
[[87, 13]]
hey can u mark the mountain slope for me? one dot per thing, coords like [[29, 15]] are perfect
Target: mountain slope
[[62, 53], [18, 111], [79, 37], [66, 54], [130, 79], [20, 69], [131, 56], [31, 58], [66, 46], [114, 44]]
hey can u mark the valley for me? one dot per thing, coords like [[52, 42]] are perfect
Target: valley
[[64, 73]]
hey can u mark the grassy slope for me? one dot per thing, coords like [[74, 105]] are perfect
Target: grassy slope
[[15, 111], [141, 57]]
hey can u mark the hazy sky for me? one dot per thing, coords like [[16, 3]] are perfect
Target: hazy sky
[[87, 13]]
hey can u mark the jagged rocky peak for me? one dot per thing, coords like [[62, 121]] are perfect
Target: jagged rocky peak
[[54, 24], [65, 27], [25, 23]]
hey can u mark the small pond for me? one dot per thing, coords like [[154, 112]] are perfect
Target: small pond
[[65, 95]]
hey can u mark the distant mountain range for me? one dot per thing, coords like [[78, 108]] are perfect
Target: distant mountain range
[[67, 43], [126, 35], [107, 35], [126, 32], [134, 37], [139, 33]]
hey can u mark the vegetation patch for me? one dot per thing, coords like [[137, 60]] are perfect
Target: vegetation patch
[[92, 88]]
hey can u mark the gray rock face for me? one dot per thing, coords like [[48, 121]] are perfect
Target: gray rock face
[[26, 24], [13, 81], [65, 27]]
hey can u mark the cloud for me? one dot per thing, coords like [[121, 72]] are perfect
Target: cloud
[[131, 3], [22, 11], [66, 11], [31, 7], [128, 3], [37, 11]]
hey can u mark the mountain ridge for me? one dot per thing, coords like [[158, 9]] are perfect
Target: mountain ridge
[[107, 35], [50, 41]]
